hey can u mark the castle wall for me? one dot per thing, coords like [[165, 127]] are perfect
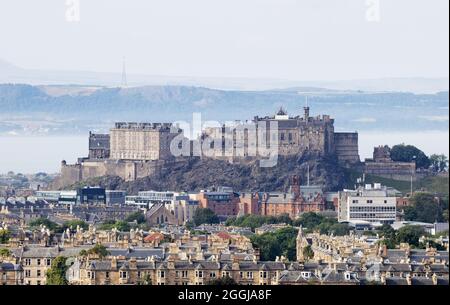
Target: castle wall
[[346, 147], [125, 169], [392, 170]]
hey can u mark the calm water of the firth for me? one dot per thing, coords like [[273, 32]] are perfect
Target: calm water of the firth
[[28, 154]]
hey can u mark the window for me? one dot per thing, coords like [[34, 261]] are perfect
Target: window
[[107, 274], [263, 274], [38, 282], [250, 275], [123, 274], [38, 273], [38, 261], [199, 274], [212, 275], [27, 262], [27, 273], [162, 274], [48, 262]]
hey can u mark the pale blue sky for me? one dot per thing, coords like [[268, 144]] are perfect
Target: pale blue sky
[[290, 39]]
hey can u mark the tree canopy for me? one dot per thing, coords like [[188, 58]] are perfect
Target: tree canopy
[[410, 153], [205, 216], [4, 236], [256, 221], [223, 281], [315, 222], [410, 235], [52, 226], [439, 163], [56, 275], [139, 217], [120, 225], [280, 243], [5, 252], [98, 250], [425, 208]]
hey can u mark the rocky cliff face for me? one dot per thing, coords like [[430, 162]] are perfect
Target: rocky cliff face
[[195, 174]]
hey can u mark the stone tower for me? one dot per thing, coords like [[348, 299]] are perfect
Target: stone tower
[[301, 244]]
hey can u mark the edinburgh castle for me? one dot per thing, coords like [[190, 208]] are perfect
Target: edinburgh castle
[[136, 150]]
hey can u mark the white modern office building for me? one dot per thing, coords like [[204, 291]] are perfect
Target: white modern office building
[[371, 203]]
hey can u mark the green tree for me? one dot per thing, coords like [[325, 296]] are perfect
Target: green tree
[[308, 253], [56, 275], [4, 236], [223, 281], [147, 280], [73, 224], [256, 221], [281, 242], [424, 208], [439, 163], [52, 226], [5, 252], [98, 250], [205, 216], [410, 235], [139, 217], [268, 246], [309, 220], [387, 231], [120, 225], [409, 153]]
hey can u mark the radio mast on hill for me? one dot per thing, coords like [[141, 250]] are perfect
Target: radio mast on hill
[[124, 75]]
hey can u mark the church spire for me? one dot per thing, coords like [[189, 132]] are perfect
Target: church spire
[[306, 110]]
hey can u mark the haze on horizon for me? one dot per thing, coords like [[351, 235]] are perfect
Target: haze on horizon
[[284, 39]]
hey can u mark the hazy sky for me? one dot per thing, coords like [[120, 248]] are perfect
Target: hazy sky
[[291, 39]]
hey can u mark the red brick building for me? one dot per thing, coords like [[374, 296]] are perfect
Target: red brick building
[[295, 202], [221, 203]]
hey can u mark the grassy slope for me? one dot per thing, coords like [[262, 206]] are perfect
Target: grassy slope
[[438, 185]]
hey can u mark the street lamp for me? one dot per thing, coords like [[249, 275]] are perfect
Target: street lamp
[[412, 173]]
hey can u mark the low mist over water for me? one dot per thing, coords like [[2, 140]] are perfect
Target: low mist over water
[[28, 154]]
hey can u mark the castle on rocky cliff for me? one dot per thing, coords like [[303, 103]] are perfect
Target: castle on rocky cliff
[[136, 150]]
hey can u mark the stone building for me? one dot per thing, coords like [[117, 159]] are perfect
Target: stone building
[[382, 165], [158, 214], [99, 146], [142, 141], [296, 136], [10, 273]]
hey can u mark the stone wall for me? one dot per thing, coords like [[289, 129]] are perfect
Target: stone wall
[[392, 170], [125, 169]]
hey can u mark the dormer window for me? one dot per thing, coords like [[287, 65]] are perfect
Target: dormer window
[[123, 274]]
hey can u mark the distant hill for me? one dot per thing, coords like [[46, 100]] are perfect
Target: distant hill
[[10, 73], [66, 107]]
